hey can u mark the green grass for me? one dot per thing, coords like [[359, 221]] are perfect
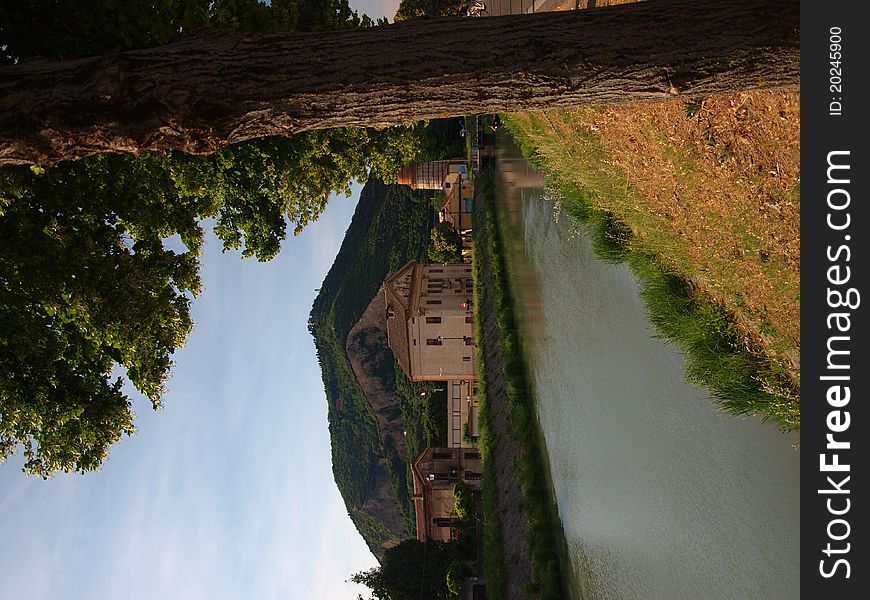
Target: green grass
[[542, 525], [717, 355], [470, 132], [493, 553]]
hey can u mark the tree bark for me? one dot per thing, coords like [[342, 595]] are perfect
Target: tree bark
[[200, 94]]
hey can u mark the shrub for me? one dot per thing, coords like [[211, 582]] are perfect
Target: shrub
[[467, 437], [446, 246], [463, 499], [455, 574]]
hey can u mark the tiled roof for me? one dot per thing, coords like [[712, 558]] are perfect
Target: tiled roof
[[397, 338], [399, 294], [420, 498]]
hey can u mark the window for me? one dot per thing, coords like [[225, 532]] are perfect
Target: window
[[434, 291], [415, 342], [442, 521], [442, 455], [469, 319], [433, 301], [472, 455], [433, 342], [433, 319], [466, 359], [436, 270]]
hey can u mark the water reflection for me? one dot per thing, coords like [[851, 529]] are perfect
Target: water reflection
[[660, 493]]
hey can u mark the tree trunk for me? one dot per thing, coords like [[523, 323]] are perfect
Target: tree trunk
[[200, 94]]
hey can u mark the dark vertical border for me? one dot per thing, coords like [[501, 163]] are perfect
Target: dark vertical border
[[828, 256]]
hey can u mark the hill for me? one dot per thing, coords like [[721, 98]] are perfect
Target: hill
[[390, 226]]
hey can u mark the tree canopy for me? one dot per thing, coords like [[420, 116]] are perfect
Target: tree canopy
[[80, 28], [91, 290], [86, 284], [409, 9], [411, 570], [446, 246]]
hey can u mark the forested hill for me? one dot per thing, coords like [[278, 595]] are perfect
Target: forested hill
[[391, 226]]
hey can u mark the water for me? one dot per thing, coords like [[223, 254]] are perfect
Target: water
[[661, 495]]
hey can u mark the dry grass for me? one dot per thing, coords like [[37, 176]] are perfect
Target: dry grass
[[712, 186]]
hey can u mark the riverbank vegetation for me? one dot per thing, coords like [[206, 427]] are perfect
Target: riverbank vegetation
[[701, 200], [502, 359]]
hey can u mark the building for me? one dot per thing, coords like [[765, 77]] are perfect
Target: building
[[458, 210], [451, 177], [431, 175], [430, 329], [430, 320], [434, 473]]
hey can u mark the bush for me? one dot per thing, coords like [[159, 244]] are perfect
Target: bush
[[463, 498], [467, 437], [455, 574], [446, 246]]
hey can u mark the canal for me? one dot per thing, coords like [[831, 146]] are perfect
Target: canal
[[660, 493]]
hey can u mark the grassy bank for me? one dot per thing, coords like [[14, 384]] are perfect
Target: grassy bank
[[714, 246], [494, 561], [502, 356]]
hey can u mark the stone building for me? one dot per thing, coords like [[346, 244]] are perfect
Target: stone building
[[430, 329], [431, 175], [458, 210], [451, 177], [435, 472]]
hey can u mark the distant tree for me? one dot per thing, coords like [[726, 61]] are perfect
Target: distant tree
[[409, 9], [439, 198], [446, 244], [411, 570]]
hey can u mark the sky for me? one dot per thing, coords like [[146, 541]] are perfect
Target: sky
[[228, 491], [376, 8]]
